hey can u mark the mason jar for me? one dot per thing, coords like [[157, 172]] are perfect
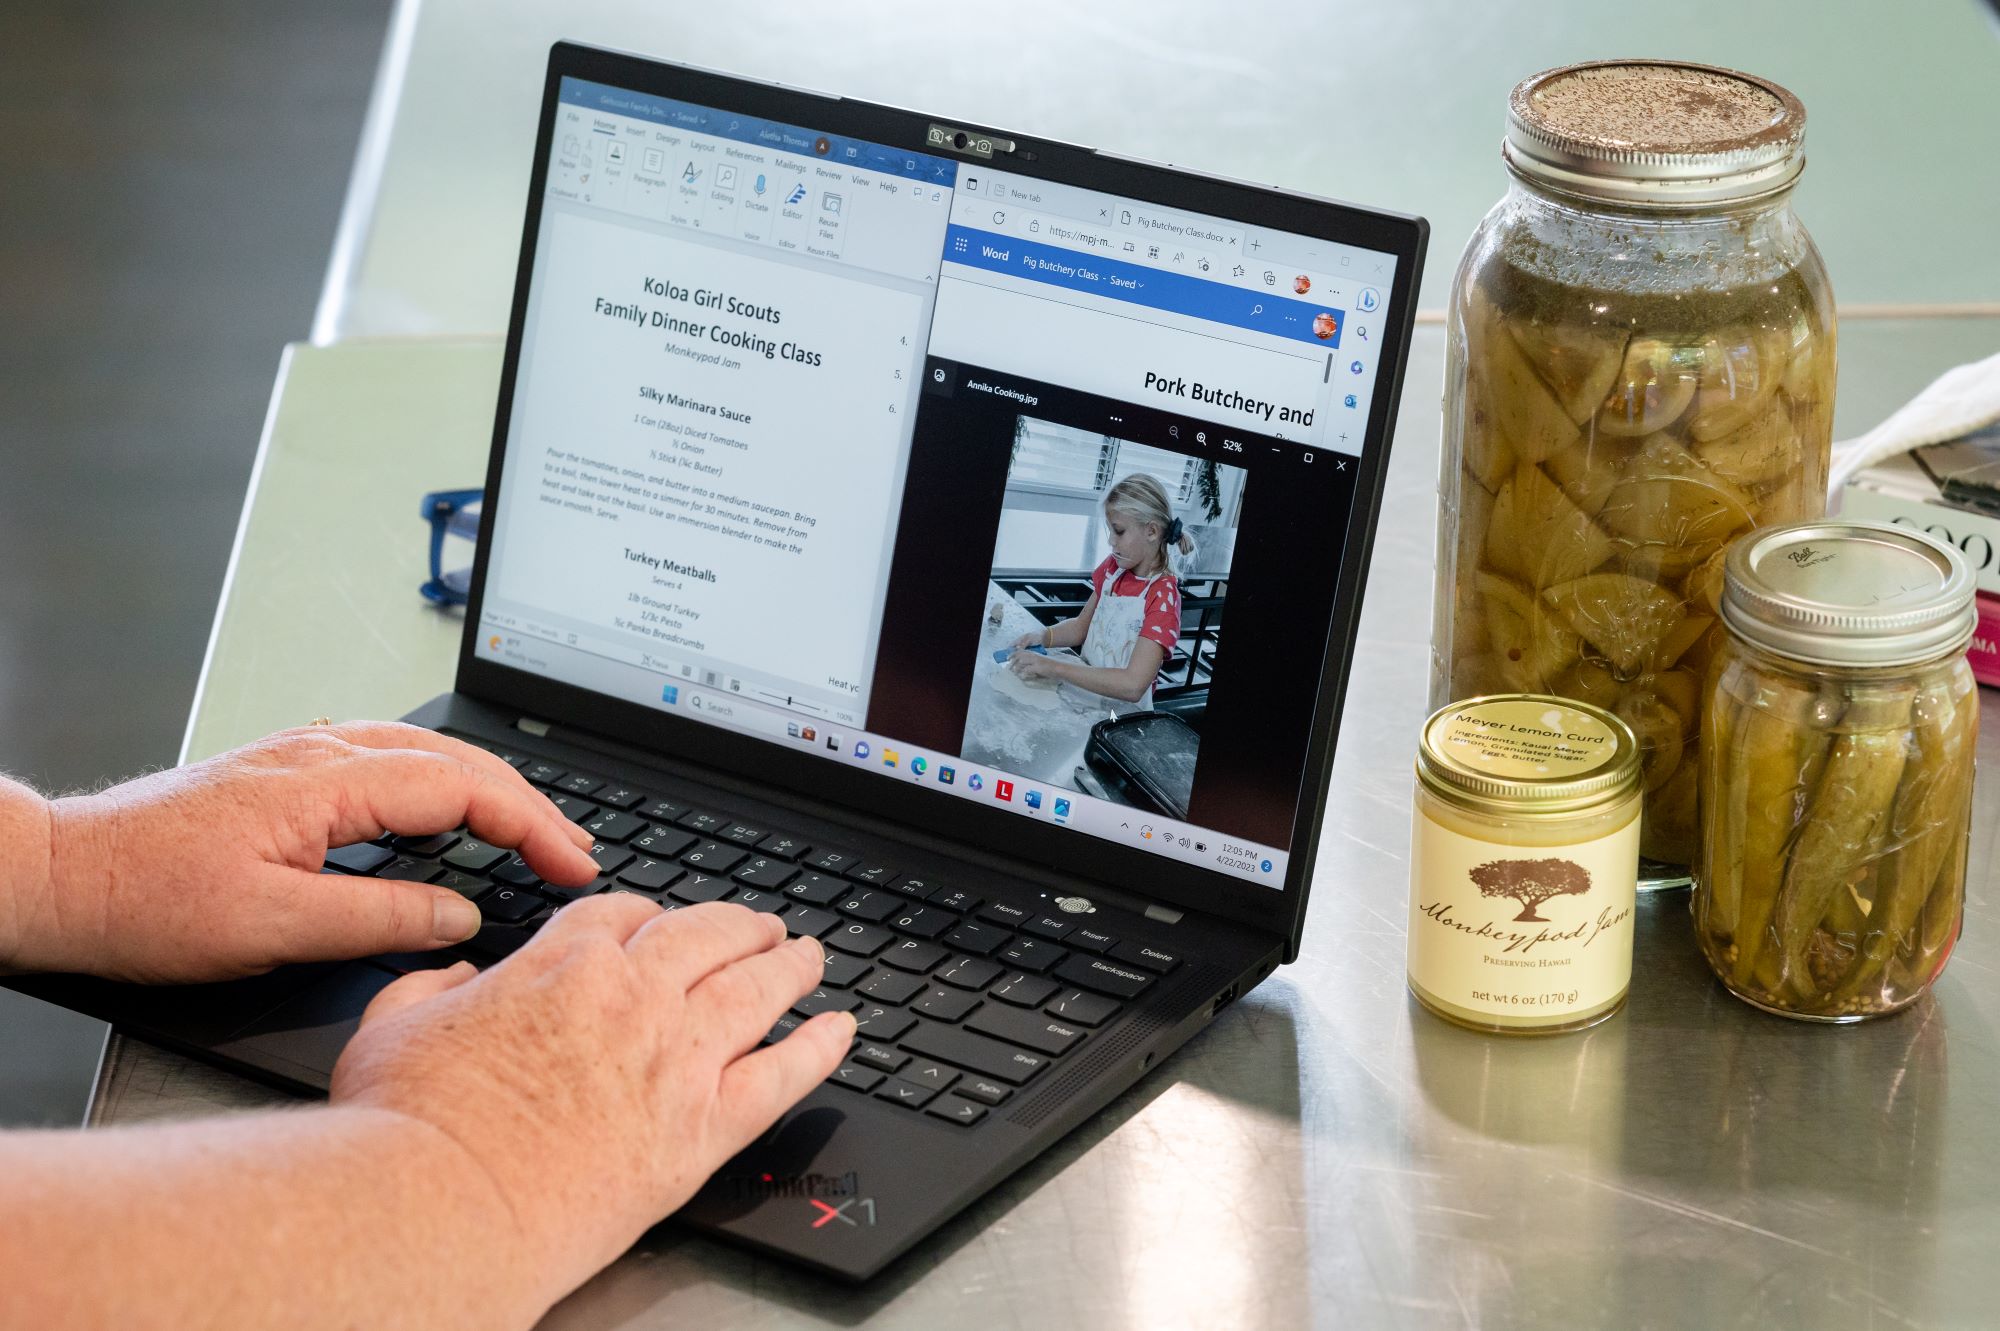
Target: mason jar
[[1640, 369], [1837, 756]]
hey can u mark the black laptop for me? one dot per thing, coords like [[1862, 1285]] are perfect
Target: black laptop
[[812, 412]]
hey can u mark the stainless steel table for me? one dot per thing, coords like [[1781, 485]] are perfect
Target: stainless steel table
[[1326, 1153]]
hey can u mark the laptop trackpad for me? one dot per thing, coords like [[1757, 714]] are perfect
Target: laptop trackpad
[[301, 1038]]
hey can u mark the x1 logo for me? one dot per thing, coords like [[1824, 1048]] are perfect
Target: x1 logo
[[828, 1214]]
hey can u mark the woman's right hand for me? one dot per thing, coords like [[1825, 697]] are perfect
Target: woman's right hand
[[1027, 640], [599, 1075]]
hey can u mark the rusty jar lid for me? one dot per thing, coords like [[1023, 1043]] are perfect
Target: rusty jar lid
[[1662, 133]]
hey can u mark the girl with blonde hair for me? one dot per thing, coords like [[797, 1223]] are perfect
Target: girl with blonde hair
[[1132, 620]]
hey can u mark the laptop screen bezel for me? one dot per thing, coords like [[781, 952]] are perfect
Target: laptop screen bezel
[[996, 831]]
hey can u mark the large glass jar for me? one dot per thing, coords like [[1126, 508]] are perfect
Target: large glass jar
[[1837, 757], [1640, 368]]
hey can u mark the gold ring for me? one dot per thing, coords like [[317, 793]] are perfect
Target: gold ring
[[322, 720]]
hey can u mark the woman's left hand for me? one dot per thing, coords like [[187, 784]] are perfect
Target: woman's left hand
[[212, 870], [1033, 665]]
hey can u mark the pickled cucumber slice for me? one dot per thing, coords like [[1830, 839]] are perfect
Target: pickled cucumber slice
[[1529, 644], [1661, 732], [1623, 617], [1578, 363], [1740, 370], [1676, 644], [1673, 510], [1488, 458], [1591, 681], [1760, 452], [1589, 472], [1654, 386], [1533, 422], [1703, 586], [1538, 536]]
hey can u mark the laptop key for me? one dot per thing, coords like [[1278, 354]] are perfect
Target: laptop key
[[978, 939], [922, 921], [783, 846], [923, 1072], [713, 857], [432, 846], [889, 986], [825, 999], [803, 921], [828, 860], [510, 905], [543, 774], [611, 825], [816, 889], [1155, 959], [952, 1109], [619, 797], [1030, 954], [660, 811], [907, 1095], [881, 1057], [999, 912], [474, 856], [366, 857], [982, 1090], [976, 1053], [1033, 1029], [514, 872], [495, 940], [465, 885], [882, 1024], [1103, 976], [663, 843], [700, 887], [1085, 1009], [841, 970], [966, 973], [610, 857], [912, 956], [403, 869], [581, 783], [759, 900], [874, 875], [873, 907], [1024, 990], [1090, 940], [708, 824], [743, 834], [766, 872], [1044, 926], [517, 761], [945, 1004], [574, 807], [784, 1026], [861, 940], [951, 898], [649, 875], [860, 1079], [911, 886]]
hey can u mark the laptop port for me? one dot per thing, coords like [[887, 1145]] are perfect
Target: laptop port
[[1223, 1000]]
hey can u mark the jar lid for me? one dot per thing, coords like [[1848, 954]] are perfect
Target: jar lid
[[1527, 755], [1658, 132], [1849, 594]]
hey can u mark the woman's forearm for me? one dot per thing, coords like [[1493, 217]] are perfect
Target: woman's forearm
[[1068, 633], [328, 1216], [1125, 685]]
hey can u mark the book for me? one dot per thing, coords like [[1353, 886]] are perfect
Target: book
[[1950, 490], [1984, 653]]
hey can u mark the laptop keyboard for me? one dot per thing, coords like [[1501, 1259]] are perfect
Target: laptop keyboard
[[961, 1000]]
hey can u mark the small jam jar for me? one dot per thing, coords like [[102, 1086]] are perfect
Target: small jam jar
[[1524, 864]]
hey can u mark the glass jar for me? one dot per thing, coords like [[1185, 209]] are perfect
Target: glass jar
[[1837, 756], [1524, 861], [1640, 368]]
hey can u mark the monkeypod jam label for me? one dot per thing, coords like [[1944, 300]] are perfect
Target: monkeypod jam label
[[1521, 935]]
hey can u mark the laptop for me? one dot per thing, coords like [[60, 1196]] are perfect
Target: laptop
[[815, 416]]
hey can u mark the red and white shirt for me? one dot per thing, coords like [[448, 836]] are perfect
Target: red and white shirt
[[1163, 600]]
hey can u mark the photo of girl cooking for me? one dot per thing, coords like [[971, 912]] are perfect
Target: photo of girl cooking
[[1103, 615]]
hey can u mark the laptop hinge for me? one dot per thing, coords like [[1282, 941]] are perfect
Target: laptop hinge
[[1164, 914], [529, 725]]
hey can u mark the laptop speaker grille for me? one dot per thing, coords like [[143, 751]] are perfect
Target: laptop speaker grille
[[1196, 986]]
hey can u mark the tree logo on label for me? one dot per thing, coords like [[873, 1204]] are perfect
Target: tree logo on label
[[1530, 882]]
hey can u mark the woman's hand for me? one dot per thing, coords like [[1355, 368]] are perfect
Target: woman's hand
[[1033, 665], [1027, 640], [212, 870], [599, 1075]]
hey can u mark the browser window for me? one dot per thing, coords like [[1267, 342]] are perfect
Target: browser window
[[1027, 493]]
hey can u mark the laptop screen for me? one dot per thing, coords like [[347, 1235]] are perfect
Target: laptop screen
[[1028, 493]]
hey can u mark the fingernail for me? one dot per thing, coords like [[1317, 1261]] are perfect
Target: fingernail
[[853, 1026], [819, 953], [453, 918]]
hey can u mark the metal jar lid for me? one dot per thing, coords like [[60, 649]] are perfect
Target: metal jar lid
[[1517, 755], [1862, 594], [1661, 133]]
